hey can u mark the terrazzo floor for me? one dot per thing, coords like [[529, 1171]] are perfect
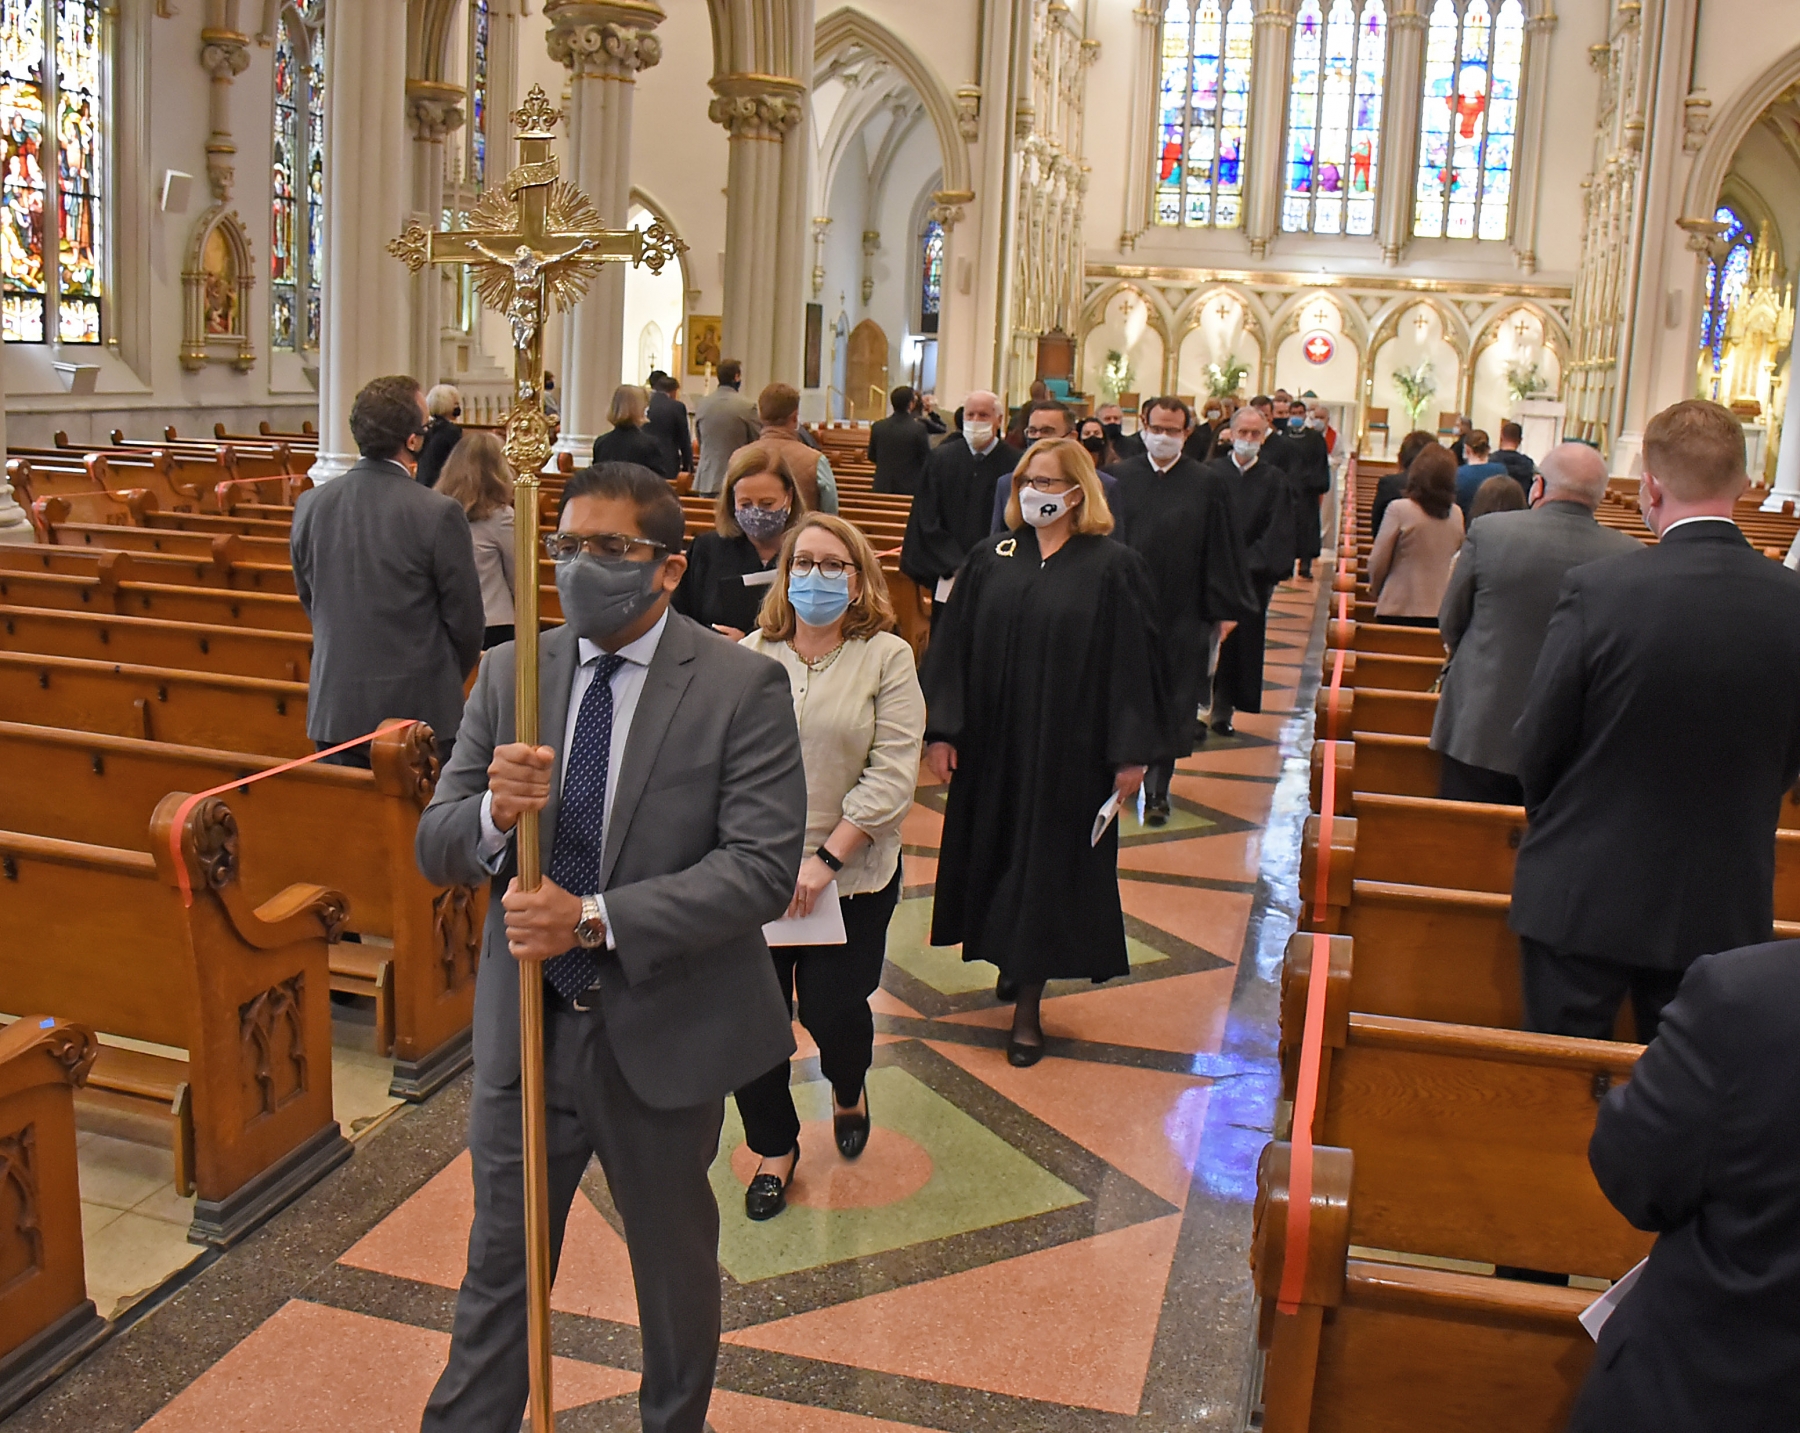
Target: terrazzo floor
[[1061, 1248]]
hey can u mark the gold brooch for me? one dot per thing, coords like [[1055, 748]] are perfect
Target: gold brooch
[[1007, 547]]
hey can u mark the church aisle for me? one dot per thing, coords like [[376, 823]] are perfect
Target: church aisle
[[1062, 1248]]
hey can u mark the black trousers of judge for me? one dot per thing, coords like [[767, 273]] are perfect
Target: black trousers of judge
[[833, 984], [1568, 994], [655, 1162], [1191, 685]]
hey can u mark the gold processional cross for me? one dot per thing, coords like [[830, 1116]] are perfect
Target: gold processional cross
[[533, 241]]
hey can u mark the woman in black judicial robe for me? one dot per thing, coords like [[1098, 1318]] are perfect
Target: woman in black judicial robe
[[731, 568], [1044, 695]]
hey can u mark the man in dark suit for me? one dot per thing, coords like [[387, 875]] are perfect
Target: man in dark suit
[[953, 509], [1702, 1146], [1507, 455], [385, 570], [667, 422], [673, 812], [899, 445], [1125, 445], [1661, 733], [1045, 418], [1495, 613]]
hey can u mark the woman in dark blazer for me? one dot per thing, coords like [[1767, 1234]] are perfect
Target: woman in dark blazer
[[630, 441], [731, 568]]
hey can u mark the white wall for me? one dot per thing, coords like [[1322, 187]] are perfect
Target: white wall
[[1220, 334], [1125, 329], [1334, 381], [1411, 346]]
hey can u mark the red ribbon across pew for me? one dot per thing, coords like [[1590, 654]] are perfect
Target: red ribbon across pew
[[181, 813], [1312, 1040]]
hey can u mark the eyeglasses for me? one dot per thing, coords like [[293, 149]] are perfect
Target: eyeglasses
[[566, 546], [826, 566], [1037, 434]]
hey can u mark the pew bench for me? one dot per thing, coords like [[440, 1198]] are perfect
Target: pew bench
[[151, 642], [102, 935]]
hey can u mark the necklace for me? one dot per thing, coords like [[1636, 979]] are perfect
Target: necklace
[[816, 664]]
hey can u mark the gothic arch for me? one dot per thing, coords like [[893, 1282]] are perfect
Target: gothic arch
[[845, 28], [1729, 126], [1188, 317], [1093, 311], [1488, 330], [1456, 331], [641, 196], [1286, 319]]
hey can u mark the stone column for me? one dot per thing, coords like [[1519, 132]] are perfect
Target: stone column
[[1268, 107], [367, 332], [14, 525], [1527, 172], [1399, 146], [1787, 456], [435, 109], [765, 215], [603, 46]]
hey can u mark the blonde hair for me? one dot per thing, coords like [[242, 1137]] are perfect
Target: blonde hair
[[628, 406], [477, 475], [747, 462], [1072, 460], [870, 610], [442, 401]]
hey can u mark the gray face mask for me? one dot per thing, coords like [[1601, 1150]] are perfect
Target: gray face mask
[[602, 596]]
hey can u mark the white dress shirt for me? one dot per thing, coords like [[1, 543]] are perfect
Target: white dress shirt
[[627, 687], [1704, 517]]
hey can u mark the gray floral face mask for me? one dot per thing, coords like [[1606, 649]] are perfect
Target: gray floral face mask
[[601, 596], [761, 524]]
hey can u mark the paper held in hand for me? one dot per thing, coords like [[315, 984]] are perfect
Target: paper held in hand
[[1594, 1316], [824, 926], [1105, 816], [941, 593]]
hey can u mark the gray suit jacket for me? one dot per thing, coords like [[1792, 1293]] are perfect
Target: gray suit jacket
[[725, 421], [702, 848], [385, 569], [1493, 618]]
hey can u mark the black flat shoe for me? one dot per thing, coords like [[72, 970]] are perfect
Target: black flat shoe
[[1224, 728], [1006, 991], [1021, 1056], [1156, 813], [767, 1195], [851, 1130]]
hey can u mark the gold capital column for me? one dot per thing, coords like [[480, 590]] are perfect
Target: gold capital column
[[1274, 27]]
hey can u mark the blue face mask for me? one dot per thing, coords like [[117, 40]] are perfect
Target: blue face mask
[[1297, 421], [819, 600]]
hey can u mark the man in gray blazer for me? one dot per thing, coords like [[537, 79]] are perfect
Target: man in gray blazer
[[1496, 611], [725, 421], [385, 569], [673, 809]]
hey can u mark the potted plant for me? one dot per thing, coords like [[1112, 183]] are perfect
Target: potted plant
[[1417, 387]]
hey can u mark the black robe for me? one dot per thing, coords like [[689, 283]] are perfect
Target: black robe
[[953, 508], [1044, 677], [1181, 523], [1309, 469], [713, 590], [1262, 503]]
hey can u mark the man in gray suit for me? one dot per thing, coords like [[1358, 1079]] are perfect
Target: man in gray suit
[[725, 421], [673, 810], [385, 569], [1496, 611]]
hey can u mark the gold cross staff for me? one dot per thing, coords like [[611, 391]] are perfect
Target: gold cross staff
[[534, 240]]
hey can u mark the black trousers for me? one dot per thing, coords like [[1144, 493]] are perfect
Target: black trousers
[[1459, 781], [1392, 621], [833, 984], [1568, 994], [495, 635]]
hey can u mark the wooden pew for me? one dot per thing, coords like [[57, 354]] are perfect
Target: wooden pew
[[150, 642], [46, 1318], [102, 934], [348, 829], [155, 703], [225, 565]]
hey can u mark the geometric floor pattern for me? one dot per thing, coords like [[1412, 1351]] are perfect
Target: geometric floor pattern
[[1060, 1248]]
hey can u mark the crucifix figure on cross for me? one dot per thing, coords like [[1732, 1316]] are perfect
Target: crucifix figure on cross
[[531, 241]]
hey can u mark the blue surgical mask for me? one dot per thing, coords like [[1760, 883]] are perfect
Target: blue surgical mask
[[818, 600], [1297, 421]]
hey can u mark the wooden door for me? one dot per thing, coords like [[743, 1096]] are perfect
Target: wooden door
[[866, 373]]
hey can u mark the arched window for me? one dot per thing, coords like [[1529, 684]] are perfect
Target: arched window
[[481, 39], [1724, 282], [297, 171], [1334, 118], [51, 254], [1470, 120], [931, 275], [1203, 111]]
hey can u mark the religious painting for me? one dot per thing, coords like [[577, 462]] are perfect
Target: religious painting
[[815, 340], [216, 284], [705, 339], [1334, 117], [218, 271]]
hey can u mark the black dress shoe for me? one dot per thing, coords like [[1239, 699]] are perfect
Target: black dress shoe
[[1006, 991], [1156, 813], [1022, 1056], [851, 1130], [767, 1195], [1224, 728]]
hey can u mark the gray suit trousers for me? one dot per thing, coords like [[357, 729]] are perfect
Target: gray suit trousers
[[656, 1164]]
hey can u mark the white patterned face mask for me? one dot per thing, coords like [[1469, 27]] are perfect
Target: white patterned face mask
[[1040, 508]]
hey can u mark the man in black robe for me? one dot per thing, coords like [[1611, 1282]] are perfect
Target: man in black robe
[[1262, 504], [952, 510], [1308, 464], [1176, 513]]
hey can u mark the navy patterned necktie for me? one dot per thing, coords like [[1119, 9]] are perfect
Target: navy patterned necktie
[[581, 818]]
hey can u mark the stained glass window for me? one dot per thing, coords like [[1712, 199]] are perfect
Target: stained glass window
[[931, 275], [51, 255], [1724, 283], [480, 43], [1334, 118], [297, 205], [1203, 109], [1469, 122]]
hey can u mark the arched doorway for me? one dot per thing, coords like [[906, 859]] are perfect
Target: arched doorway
[[866, 371]]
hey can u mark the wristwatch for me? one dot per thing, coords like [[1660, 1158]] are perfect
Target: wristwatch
[[830, 860], [590, 930]]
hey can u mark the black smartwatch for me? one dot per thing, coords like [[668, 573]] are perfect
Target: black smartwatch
[[829, 859]]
